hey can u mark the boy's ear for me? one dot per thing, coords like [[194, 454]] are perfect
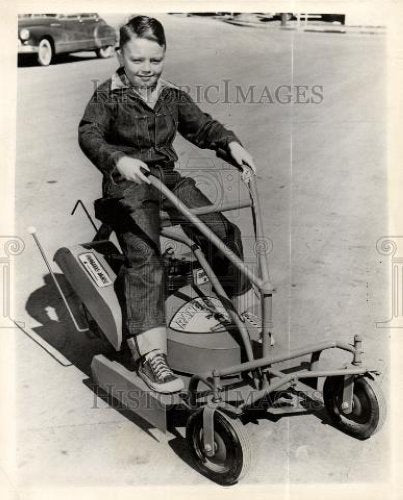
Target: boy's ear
[[119, 56]]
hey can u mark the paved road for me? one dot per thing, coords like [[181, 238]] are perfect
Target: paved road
[[322, 180]]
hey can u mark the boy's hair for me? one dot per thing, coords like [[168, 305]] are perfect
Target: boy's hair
[[142, 27]]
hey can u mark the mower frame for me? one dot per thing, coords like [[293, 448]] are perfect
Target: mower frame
[[264, 379]]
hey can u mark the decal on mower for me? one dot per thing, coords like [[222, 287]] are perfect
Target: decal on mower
[[201, 315], [94, 268]]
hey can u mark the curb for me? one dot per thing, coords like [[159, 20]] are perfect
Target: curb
[[364, 30], [247, 25]]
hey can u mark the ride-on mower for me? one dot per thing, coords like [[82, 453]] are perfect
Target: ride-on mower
[[227, 367]]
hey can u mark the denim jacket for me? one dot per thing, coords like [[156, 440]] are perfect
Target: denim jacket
[[118, 122]]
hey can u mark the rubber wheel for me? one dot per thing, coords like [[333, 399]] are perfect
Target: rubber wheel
[[369, 406], [104, 52], [233, 454], [45, 52]]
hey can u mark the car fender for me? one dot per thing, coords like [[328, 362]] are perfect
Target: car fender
[[104, 35], [39, 32]]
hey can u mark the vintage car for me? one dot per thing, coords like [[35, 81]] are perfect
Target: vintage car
[[46, 35]]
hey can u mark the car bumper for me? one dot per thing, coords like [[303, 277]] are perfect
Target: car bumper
[[26, 49]]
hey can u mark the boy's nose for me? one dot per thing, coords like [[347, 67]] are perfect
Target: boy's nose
[[146, 67]]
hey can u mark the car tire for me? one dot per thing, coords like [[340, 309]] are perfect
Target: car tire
[[104, 52], [45, 52]]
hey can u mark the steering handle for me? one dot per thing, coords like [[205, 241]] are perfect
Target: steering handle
[[145, 172], [223, 155]]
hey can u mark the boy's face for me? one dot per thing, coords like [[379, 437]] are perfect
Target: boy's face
[[143, 61]]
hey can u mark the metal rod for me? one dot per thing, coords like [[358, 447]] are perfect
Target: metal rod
[[217, 389], [357, 353], [256, 395], [259, 363], [208, 209], [221, 293], [224, 207], [263, 266], [267, 323], [192, 388], [285, 379], [331, 373], [32, 230], [208, 233], [260, 239], [216, 285], [79, 202], [208, 429]]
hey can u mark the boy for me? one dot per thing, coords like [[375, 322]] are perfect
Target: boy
[[129, 125]]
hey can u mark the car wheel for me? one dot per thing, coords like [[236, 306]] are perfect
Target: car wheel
[[105, 52], [45, 52]]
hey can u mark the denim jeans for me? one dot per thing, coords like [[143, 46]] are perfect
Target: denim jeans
[[137, 226]]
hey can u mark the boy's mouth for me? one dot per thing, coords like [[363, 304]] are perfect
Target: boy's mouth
[[145, 81]]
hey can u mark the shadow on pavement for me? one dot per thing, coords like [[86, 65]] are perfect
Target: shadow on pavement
[[116, 405], [57, 329], [58, 333], [278, 405], [177, 418], [25, 61]]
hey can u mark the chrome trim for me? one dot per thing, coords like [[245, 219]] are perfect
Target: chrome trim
[[27, 49]]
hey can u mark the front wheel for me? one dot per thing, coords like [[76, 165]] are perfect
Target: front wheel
[[104, 52], [232, 456], [368, 409], [45, 52]]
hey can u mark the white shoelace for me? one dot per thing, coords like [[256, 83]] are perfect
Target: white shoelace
[[159, 366]]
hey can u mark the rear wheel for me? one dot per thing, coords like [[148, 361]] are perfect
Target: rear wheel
[[104, 52], [232, 456], [45, 52], [369, 407]]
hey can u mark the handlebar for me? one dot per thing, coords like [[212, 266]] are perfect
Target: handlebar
[[262, 283]]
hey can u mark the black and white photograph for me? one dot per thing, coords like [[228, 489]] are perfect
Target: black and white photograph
[[201, 250]]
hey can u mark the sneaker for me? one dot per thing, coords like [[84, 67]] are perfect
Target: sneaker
[[155, 372], [253, 323]]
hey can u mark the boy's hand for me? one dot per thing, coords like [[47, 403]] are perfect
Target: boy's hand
[[242, 158], [130, 169]]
